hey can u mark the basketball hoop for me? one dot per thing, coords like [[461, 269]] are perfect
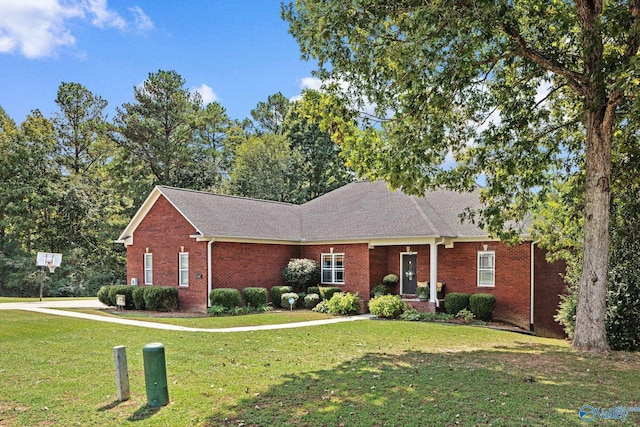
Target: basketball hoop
[[51, 266], [49, 260]]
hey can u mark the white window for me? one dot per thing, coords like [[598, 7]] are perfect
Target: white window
[[184, 268], [333, 269], [487, 269], [148, 269]]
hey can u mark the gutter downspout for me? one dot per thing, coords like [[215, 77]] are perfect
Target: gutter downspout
[[209, 273], [533, 265]]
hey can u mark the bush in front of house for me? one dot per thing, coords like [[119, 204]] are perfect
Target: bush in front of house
[[161, 298], [122, 290], [456, 301], [322, 306], [138, 297], [301, 273], [344, 303], [311, 300], [284, 299], [276, 294], [313, 290], [226, 297], [255, 297], [482, 306], [387, 306], [326, 292], [103, 295]]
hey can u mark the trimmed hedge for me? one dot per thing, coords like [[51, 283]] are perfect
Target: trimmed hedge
[[313, 290], [482, 306], [326, 292], [226, 297], [125, 290], [276, 294], [138, 297], [311, 300], [456, 301], [387, 306], [160, 298], [103, 295], [284, 299], [255, 297]]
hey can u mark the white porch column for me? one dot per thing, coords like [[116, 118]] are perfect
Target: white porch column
[[433, 272]]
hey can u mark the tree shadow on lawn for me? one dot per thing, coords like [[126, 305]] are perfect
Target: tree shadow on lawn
[[526, 385]]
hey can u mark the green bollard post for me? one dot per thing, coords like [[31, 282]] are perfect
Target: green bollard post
[[155, 374]]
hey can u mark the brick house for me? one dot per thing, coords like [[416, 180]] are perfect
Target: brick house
[[358, 233]]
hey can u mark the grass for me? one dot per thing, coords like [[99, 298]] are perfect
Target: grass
[[59, 371], [34, 299]]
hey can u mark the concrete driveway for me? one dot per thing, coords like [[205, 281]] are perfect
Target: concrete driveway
[[49, 307]]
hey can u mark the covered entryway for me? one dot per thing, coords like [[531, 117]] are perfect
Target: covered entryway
[[408, 272]]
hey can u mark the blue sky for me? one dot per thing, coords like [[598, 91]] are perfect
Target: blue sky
[[237, 52]]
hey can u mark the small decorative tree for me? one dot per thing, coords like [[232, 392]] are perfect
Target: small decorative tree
[[301, 273], [390, 281]]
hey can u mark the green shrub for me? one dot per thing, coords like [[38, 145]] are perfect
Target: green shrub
[[313, 290], [138, 297], [216, 310], [276, 294], [311, 300], [482, 306], [411, 315], [344, 303], [456, 301], [326, 292], [103, 295], [465, 315], [161, 298], [301, 273], [226, 297], [254, 297], [390, 279], [380, 289], [300, 300], [122, 290], [284, 299], [387, 306], [322, 306]]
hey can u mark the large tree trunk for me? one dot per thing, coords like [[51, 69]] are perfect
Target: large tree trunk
[[590, 333]]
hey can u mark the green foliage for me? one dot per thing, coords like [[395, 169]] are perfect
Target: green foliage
[[122, 290], [390, 279], [285, 297], [276, 294], [344, 303], [217, 309], [423, 291], [326, 292], [138, 297], [456, 301], [313, 290], [322, 306], [161, 298], [255, 297], [379, 289], [465, 315], [103, 295], [411, 315], [311, 300], [226, 297], [387, 306], [482, 306], [301, 273]]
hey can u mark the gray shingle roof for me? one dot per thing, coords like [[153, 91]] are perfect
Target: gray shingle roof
[[359, 211]]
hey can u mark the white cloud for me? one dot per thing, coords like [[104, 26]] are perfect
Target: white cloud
[[313, 83], [142, 21], [206, 92], [37, 28]]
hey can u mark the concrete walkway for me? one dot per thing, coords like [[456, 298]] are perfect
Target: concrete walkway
[[49, 307]]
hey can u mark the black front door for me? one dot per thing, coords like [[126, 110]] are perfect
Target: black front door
[[409, 273]]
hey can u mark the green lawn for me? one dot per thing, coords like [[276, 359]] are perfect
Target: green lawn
[[33, 299], [59, 371]]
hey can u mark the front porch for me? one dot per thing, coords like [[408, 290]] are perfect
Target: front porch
[[421, 306]]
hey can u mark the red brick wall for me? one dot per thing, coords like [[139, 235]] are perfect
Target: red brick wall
[[548, 286], [356, 265], [458, 268], [165, 232], [241, 265]]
